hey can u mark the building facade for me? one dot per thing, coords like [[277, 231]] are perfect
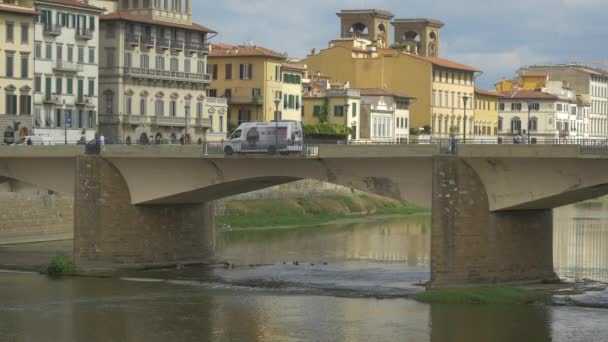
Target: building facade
[[253, 79], [16, 68], [66, 54], [485, 120], [153, 80], [385, 116], [440, 86], [338, 105], [591, 86]]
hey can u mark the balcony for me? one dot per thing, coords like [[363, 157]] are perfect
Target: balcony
[[108, 119], [165, 75], [253, 100], [202, 123], [217, 101], [51, 30], [163, 43], [177, 45], [197, 47], [84, 100], [135, 120], [51, 99], [147, 41], [172, 121], [132, 39], [63, 66], [84, 34]]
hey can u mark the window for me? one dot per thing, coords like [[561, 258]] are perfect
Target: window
[[199, 109], [59, 85], [91, 87], [174, 65], [38, 50], [11, 104], [70, 54], [91, 55], [246, 71], [38, 84], [221, 123], [228, 71], [173, 107], [160, 106], [354, 106], [10, 28], [535, 107], [109, 104], [10, 64], [92, 121], [25, 31], [338, 110], [515, 125], [200, 67], [560, 107], [25, 66], [81, 56], [160, 63], [143, 105], [533, 124], [109, 57], [277, 73], [516, 107], [316, 111], [144, 62], [129, 108], [128, 59], [70, 82], [212, 70], [212, 92], [187, 65], [501, 107]]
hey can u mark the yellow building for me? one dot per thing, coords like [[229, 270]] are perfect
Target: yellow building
[[439, 85], [341, 107], [16, 66], [252, 78], [485, 121]]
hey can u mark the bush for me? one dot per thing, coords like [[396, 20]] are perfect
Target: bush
[[60, 265], [327, 130]]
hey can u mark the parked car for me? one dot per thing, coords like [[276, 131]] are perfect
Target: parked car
[[282, 137], [35, 140]]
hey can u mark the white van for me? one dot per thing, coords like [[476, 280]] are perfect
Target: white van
[[282, 137], [36, 140]]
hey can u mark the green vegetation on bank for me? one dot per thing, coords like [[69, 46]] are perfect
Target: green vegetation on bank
[[60, 265], [498, 295], [310, 210]]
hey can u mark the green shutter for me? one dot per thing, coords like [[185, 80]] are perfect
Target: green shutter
[[70, 86], [92, 23], [91, 87], [38, 84]]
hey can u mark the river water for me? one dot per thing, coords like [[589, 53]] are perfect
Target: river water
[[344, 282]]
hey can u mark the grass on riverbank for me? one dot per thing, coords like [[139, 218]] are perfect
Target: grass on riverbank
[[499, 295], [310, 210]]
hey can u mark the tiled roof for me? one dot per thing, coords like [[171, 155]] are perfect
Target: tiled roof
[[381, 92], [523, 94], [226, 50], [74, 3], [487, 92], [445, 63], [139, 19], [16, 9], [533, 74], [293, 66]]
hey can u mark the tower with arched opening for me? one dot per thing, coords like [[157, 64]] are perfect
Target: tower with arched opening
[[419, 36], [372, 24]]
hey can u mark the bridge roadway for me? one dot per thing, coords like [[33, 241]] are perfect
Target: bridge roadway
[[151, 205]]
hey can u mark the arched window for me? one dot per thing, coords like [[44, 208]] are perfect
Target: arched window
[[533, 124], [143, 139], [516, 125], [160, 105]]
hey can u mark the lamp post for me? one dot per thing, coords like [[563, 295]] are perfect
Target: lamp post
[[465, 99], [277, 101]]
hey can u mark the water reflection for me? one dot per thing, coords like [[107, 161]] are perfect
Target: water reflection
[[581, 241]]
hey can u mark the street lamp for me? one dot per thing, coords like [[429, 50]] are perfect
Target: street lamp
[[465, 99], [277, 101]]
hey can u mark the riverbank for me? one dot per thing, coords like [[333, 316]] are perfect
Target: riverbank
[[310, 211]]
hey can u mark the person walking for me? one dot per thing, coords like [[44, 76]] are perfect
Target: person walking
[[102, 140]]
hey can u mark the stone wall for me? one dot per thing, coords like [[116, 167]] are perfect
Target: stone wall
[[34, 216], [472, 245]]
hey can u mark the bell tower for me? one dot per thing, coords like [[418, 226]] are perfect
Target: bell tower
[[419, 36], [371, 24]]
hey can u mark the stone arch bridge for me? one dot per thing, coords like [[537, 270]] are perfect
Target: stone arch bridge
[[151, 205]]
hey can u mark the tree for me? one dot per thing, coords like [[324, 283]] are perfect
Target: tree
[[324, 110]]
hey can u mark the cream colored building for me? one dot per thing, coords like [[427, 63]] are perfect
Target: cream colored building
[[252, 78], [16, 66], [153, 80]]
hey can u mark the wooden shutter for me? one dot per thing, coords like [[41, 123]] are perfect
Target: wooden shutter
[[241, 67]]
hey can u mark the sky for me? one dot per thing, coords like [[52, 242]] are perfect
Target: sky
[[495, 36]]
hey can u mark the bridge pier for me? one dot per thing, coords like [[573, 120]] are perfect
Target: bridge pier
[[111, 232], [471, 245]]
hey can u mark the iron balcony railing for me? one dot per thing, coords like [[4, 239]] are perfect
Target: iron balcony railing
[[84, 100], [84, 33], [67, 66], [167, 75], [132, 39], [51, 99], [53, 30], [177, 45], [163, 43], [147, 40], [197, 47]]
